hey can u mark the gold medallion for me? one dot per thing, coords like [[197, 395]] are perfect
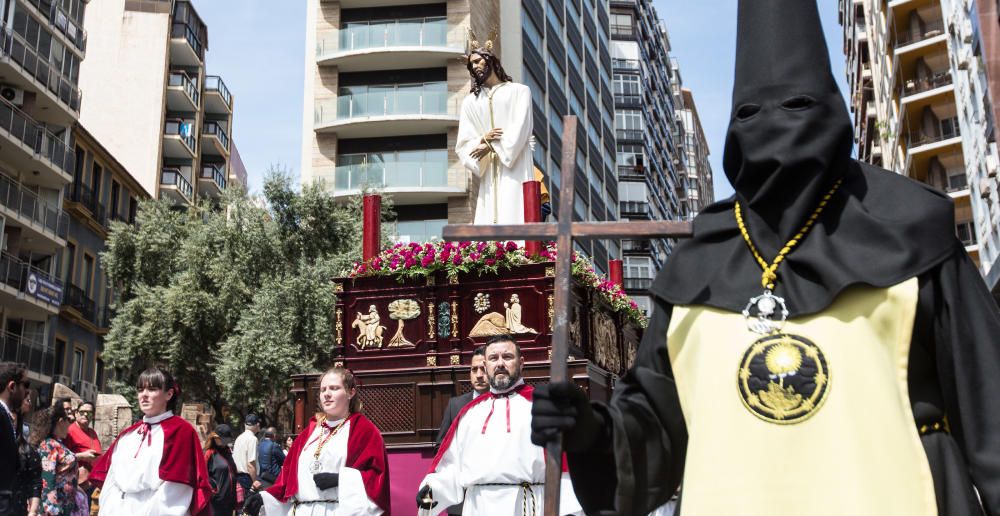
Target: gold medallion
[[783, 378]]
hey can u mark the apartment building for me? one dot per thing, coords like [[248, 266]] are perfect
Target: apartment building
[[696, 189], [42, 44], [921, 101], [102, 191], [165, 119], [384, 85]]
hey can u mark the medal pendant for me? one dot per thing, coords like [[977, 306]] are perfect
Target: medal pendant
[[761, 310], [315, 467]]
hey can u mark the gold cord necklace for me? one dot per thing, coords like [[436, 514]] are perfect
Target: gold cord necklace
[[767, 303], [316, 466]]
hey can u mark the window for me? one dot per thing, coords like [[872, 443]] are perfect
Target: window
[[420, 230], [631, 155], [638, 267], [555, 28], [632, 191], [115, 194], [627, 84], [99, 374], [81, 158], [621, 25], [628, 119], [88, 273], [95, 180], [133, 207], [78, 365], [965, 233], [572, 14], [555, 71], [531, 31], [70, 261], [60, 355], [957, 180], [575, 107]]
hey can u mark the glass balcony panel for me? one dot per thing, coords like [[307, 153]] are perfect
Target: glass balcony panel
[[390, 33], [407, 32], [408, 99]]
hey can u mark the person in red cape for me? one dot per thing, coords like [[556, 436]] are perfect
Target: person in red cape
[[336, 466], [155, 466]]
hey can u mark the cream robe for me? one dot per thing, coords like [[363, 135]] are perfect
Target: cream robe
[[134, 487], [501, 198]]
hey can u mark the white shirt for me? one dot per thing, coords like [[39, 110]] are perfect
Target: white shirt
[[245, 451]]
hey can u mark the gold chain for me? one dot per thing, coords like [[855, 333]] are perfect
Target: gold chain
[[769, 276], [319, 449]]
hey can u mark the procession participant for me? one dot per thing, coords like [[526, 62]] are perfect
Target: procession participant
[[861, 381], [156, 465], [336, 466], [494, 138], [487, 460], [480, 385]]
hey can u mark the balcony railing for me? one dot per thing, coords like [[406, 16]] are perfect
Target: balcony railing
[[45, 144], [625, 64], [47, 75], [415, 32], [622, 31], [183, 30], [628, 135], [920, 137], [636, 246], [913, 35], [215, 129], [634, 208], [58, 17], [402, 99], [83, 194], [631, 172], [215, 83], [214, 173], [77, 299], [628, 101], [173, 177], [15, 274], [638, 283], [31, 352], [181, 79], [406, 174], [26, 203], [915, 86], [182, 128]]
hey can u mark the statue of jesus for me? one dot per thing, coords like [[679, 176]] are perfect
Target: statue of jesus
[[494, 138]]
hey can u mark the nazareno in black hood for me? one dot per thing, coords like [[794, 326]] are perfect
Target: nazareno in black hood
[[789, 140]]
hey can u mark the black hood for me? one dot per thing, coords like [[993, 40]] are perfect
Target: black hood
[[789, 141]]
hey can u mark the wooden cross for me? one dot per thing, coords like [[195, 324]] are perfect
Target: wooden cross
[[563, 232]]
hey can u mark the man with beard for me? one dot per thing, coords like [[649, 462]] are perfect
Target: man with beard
[[494, 138], [487, 459], [13, 387], [823, 345]]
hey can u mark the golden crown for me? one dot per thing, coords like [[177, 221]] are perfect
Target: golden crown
[[474, 41]]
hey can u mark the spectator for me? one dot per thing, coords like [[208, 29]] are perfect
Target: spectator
[[245, 456], [289, 439], [221, 470], [67, 405], [83, 441], [13, 385], [28, 487], [269, 458], [59, 467]]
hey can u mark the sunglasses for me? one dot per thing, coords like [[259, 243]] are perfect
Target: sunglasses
[[87, 413]]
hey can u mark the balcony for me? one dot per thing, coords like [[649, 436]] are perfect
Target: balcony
[[628, 101], [58, 17], [176, 187], [636, 246], [910, 89], [631, 172], [947, 134], [33, 353], [215, 135], [637, 283], [628, 135], [186, 48], [388, 45], [390, 110], [909, 37], [217, 97], [634, 209], [24, 209], [31, 288], [76, 299], [182, 92], [21, 66], [625, 65], [410, 181], [622, 31], [178, 139], [81, 199], [212, 179]]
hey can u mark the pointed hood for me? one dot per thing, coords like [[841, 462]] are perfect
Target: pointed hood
[[789, 141]]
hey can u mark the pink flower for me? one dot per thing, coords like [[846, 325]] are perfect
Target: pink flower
[[427, 260], [511, 246], [410, 262], [480, 246], [490, 262], [457, 259], [473, 256]]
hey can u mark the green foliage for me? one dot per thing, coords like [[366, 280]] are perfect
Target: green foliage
[[233, 298]]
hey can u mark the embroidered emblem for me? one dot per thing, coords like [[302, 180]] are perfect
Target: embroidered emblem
[[783, 378]]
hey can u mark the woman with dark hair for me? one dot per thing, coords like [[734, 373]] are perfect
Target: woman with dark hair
[[337, 465], [156, 465], [221, 470], [28, 485], [59, 466]]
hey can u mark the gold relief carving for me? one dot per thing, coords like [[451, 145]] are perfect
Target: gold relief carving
[[340, 327], [430, 281], [481, 302], [552, 313], [338, 288], [338, 364], [550, 272], [574, 326], [495, 323], [550, 353], [430, 320], [605, 343], [402, 310], [454, 319], [369, 330], [453, 279], [432, 361], [456, 360]]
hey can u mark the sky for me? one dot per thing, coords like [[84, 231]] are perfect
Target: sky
[[260, 53]]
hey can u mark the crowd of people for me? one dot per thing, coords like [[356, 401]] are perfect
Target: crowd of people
[[52, 462]]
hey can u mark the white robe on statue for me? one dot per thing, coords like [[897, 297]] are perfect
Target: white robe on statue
[[501, 196], [351, 498], [134, 487], [489, 456]]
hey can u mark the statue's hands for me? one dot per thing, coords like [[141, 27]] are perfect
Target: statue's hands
[[564, 407], [492, 134], [480, 151]]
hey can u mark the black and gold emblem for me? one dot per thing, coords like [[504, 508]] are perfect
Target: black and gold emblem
[[783, 378]]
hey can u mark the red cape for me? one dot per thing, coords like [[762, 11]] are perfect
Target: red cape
[[365, 453], [182, 462]]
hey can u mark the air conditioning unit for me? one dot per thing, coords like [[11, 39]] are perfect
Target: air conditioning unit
[[12, 94], [985, 189], [963, 64]]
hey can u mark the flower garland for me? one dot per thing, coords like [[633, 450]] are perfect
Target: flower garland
[[413, 260]]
